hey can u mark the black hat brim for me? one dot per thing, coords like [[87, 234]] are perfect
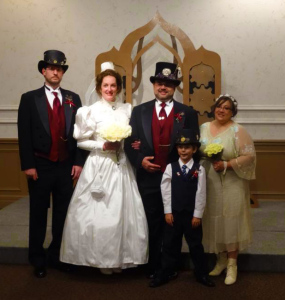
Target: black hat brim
[[198, 144], [153, 79], [43, 64]]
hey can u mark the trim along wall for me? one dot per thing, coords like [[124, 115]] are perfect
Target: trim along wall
[[268, 185]]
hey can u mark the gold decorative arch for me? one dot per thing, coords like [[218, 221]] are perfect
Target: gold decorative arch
[[200, 69]]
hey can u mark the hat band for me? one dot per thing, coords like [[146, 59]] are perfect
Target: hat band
[[171, 76]]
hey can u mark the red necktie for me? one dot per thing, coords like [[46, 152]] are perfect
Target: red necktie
[[162, 113], [56, 105]]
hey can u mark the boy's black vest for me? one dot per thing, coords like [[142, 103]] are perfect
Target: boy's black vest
[[184, 188]]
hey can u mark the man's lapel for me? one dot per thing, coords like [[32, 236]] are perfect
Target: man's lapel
[[41, 104], [178, 123], [147, 111], [68, 109]]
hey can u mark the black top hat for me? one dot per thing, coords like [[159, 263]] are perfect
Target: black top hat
[[188, 137], [53, 57], [165, 71]]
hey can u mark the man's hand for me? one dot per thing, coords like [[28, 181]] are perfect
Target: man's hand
[[75, 172], [196, 222], [148, 166], [31, 173], [169, 219]]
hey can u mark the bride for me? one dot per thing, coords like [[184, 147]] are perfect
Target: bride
[[105, 225]]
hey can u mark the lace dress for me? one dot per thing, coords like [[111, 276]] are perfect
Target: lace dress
[[105, 225], [226, 220]]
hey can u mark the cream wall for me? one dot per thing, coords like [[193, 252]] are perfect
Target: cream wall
[[249, 35]]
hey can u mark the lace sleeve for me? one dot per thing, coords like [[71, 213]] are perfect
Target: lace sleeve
[[244, 164]]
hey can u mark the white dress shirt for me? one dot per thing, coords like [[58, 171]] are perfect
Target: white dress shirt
[[200, 199], [168, 107], [50, 96]]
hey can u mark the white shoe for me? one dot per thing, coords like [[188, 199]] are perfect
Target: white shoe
[[106, 271], [117, 270], [222, 261], [231, 277]]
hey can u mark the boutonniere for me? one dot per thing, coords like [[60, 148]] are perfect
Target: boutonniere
[[69, 100], [178, 174], [178, 117], [195, 174]]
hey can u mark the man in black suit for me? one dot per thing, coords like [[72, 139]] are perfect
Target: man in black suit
[[155, 125], [49, 157]]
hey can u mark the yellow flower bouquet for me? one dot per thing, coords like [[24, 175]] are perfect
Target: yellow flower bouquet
[[214, 151]]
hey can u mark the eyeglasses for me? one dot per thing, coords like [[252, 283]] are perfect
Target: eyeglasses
[[225, 108]]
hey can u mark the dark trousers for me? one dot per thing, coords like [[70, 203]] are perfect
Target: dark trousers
[[149, 188], [54, 179], [172, 242]]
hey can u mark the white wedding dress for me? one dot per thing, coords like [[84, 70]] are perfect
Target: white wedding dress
[[105, 225]]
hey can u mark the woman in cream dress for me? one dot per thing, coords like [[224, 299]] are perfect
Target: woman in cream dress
[[106, 225], [226, 221]]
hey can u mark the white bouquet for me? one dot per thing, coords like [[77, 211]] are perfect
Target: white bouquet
[[115, 132]]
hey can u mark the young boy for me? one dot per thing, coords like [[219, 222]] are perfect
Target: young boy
[[183, 189]]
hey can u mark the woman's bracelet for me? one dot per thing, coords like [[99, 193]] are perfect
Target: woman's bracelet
[[225, 167]]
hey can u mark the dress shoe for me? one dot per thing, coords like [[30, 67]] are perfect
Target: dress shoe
[[67, 268], [158, 281], [150, 276], [117, 270], [40, 272], [63, 267], [172, 276], [221, 265], [205, 280], [106, 271], [231, 272]]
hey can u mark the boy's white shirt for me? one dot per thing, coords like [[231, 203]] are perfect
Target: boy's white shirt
[[200, 200]]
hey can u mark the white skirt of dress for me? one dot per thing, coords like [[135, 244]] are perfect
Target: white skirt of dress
[[105, 225]]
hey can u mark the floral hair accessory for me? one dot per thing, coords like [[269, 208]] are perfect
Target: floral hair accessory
[[229, 97]]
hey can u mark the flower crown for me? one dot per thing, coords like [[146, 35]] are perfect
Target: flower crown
[[228, 96]]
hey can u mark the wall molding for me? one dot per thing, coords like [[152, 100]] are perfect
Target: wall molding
[[242, 108], [261, 121], [9, 107], [268, 184], [261, 107]]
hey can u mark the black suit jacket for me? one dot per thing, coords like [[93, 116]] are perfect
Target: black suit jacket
[[141, 122], [34, 131]]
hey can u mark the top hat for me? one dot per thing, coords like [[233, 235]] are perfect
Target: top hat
[[54, 58], [188, 137], [165, 71]]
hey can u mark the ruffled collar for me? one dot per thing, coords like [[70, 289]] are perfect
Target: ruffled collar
[[113, 105]]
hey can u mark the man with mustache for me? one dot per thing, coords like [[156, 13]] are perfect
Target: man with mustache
[[49, 157], [155, 124]]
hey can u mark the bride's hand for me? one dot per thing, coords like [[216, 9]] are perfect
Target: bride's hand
[[111, 146], [136, 145]]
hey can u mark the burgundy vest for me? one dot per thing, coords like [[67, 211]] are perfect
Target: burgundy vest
[[58, 150], [161, 138]]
